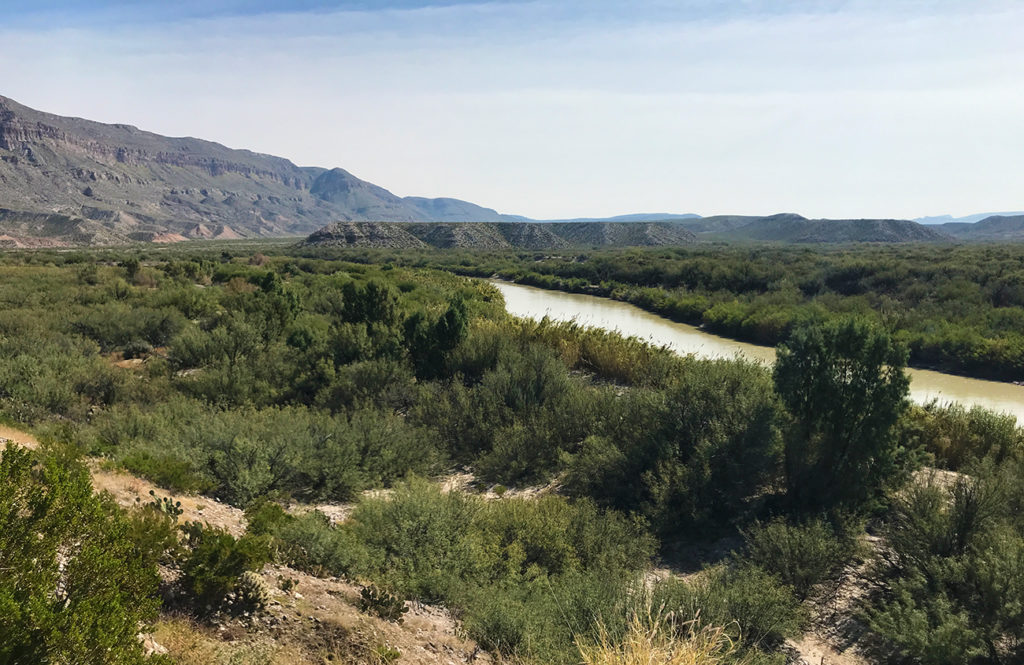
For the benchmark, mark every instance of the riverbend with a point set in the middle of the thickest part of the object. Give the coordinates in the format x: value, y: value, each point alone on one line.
x: 594, y: 311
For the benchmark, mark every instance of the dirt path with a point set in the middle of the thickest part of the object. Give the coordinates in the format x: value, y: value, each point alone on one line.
x: 811, y: 649
x: 129, y: 490
x: 18, y: 436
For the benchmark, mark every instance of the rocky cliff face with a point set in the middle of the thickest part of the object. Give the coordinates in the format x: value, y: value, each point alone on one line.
x: 120, y: 183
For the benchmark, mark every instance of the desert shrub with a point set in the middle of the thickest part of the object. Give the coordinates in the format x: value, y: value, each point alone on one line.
x: 957, y: 436
x: 75, y: 585
x: 515, y: 423
x: 429, y: 561
x: 167, y: 471
x: 154, y: 535
x: 756, y: 609
x: 654, y: 639
x: 430, y: 342
x: 549, y: 536
x: 55, y: 375
x: 115, y: 325
x: 525, y: 573
x: 243, y: 454
x: 693, y: 453
x: 137, y: 348
x: 626, y: 360
x: 952, y: 589
x: 214, y: 564
x: 800, y: 555
x: 533, y: 445
x: 539, y: 621
x: 311, y: 544
x: 485, y: 343
x: 375, y: 383
x: 263, y: 517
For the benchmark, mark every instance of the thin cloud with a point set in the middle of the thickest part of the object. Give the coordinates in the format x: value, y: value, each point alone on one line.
x: 564, y: 109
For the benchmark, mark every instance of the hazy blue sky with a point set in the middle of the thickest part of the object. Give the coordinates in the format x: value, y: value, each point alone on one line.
x: 834, y: 108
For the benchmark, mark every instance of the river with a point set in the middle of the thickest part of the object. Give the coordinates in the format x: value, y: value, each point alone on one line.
x: 592, y: 311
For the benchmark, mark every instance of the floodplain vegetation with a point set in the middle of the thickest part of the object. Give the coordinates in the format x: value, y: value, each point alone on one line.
x: 957, y: 308
x: 270, y: 381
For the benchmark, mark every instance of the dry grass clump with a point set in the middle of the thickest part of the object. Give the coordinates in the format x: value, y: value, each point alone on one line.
x: 189, y: 643
x: 657, y: 639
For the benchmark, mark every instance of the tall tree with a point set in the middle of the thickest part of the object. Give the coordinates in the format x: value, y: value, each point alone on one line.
x: 844, y: 387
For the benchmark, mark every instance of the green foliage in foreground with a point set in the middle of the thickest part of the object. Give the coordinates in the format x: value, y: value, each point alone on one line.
x: 215, y: 563
x: 800, y: 556
x: 525, y: 575
x: 954, y: 576
x: 754, y: 605
x: 73, y: 586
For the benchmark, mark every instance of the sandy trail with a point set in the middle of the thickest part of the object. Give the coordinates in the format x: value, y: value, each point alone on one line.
x: 18, y: 436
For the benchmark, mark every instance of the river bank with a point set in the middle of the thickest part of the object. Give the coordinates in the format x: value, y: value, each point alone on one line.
x: 596, y: 311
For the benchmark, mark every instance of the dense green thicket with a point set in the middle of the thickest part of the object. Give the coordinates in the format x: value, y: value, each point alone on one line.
x: 265, y: 380
x: 952, y: 580
x: 960, y: 308
x: 74, y: 587
x: 527, y: 575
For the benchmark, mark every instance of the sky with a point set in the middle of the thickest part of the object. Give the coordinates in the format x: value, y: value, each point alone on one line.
x: 554, y: 109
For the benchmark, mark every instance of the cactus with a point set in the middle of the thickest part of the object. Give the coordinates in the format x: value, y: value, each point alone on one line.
x: 382, y: 603
x: 165, y: 505
x: 251, y: 591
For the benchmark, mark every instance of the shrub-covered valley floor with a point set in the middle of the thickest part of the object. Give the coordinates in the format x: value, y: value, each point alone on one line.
x: 250, y: 458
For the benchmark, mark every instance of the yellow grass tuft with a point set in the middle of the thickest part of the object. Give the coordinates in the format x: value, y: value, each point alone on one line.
x: 658, y: 639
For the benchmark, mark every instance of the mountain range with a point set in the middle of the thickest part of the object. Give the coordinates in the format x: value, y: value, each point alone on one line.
x: 69, y: 181
x: 966, y: 219
x: 786, y: 228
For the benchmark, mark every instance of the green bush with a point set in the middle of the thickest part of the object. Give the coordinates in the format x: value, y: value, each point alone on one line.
x: 137, y: 349
x: 694, y: 453
x: 953, y: 582
x: 264, y: 517
x: 76, y: 584
x: 751, y: 603
x: 167, y: 471
x: 311, y: 544
x: 214, y: 564
x: 800, y: 555
x: 957, y: 436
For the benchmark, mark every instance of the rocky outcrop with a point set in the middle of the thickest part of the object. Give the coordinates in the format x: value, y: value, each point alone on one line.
x: 364, y: 234
x: 624, y: 234
x: 498, y: 235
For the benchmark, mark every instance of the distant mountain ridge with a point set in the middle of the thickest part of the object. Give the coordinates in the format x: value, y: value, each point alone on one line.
x: 966, y: 219
x: 792, y: 228
x: 500, y: 235
x: 69, y: 181
x: 74, y: 181
x: 784, y: 228
x: 998, y: 227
